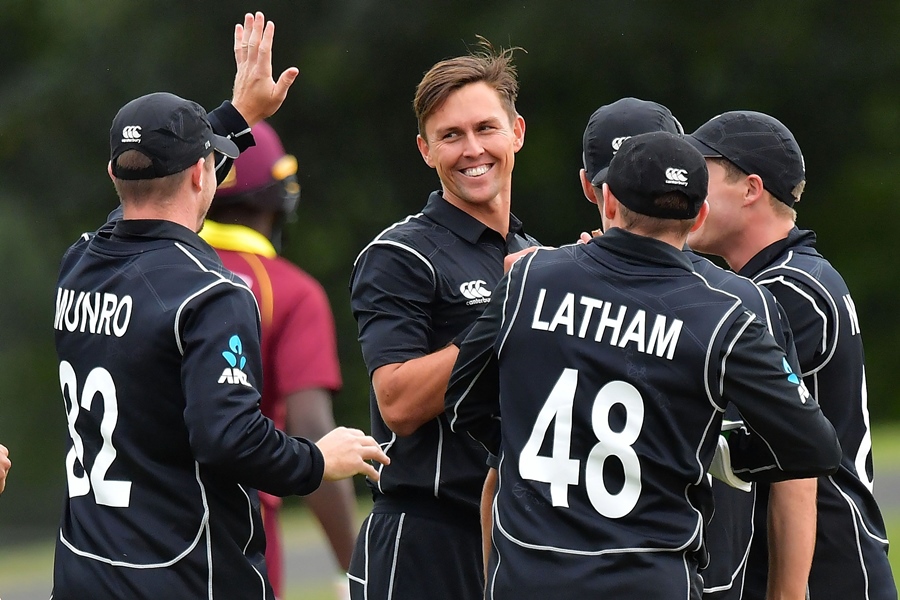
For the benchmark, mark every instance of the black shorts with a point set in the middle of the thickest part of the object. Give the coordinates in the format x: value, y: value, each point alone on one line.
x: 405, y: 556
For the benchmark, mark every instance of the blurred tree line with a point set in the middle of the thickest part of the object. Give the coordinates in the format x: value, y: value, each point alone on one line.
x: 829, y: 70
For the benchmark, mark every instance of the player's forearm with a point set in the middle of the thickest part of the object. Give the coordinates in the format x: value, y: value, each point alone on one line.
x: 792, y: 537
x: 412, y: 393
x: 487, y: 517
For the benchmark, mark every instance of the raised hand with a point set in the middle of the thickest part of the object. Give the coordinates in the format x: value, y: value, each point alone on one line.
x: 256, y: 94
x: 346, y: 452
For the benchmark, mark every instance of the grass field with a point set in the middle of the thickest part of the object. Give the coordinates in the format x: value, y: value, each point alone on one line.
x: 33, y: 562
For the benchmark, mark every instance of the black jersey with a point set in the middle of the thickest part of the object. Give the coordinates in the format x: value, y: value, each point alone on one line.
x: 731, y: 531
x: 616, y: 361
x: 160, y: 372
x: 414, y: 288
x: 850, y: 559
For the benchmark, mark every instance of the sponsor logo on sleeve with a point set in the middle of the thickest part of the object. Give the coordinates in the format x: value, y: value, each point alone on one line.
x: 236, y: 361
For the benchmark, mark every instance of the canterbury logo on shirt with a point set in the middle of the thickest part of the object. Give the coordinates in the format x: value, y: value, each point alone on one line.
x: 475, y: 292
x: 676, y: 176
x: 131, y: 133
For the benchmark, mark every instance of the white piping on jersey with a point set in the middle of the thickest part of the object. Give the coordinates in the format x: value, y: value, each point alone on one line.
x: 687, y: 578
x: 249, y: 518
x: 502, y: 323
x: 813, y: 282
x: 525, y: 269
x: 465, y: 394
x: 747, y: 322
x: 384, y: 231
x: 856, y: 510
x: 440, y: 453
x: 409, y: 249
x: 390, y: 593
x: 364, y: 582
x: 220, y: 280
x: 386, y: 446
x: 780, y: 279
x: 728, y: 352
x: 209, y: 563
x: 741, y: 568
x: 204, y: 526
x: 708, y: 360
x: 859, y: 552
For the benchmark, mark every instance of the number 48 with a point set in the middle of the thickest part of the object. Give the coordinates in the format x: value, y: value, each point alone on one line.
x: 560, y: 470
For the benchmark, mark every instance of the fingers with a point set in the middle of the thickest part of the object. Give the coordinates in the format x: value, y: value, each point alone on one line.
x: 584, y: 238
x: 238, y: 38
x: 258, y: 24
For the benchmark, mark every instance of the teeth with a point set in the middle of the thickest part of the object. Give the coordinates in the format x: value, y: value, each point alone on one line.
x: 476, y: 171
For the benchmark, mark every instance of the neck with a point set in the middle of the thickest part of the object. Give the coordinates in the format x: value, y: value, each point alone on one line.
x: 738, y: 254
x: 494, y: 214
x: 175, y: 209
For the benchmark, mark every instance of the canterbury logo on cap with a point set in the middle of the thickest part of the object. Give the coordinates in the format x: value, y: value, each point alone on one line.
x: 676, y: 176
x: 131, y: 133
x: 617, y: 142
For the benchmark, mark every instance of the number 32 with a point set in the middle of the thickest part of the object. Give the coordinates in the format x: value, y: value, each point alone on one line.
x: 99, y: 381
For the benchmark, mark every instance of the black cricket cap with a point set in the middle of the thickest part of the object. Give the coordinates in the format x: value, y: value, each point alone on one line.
x: 757, y: 144
x: 172, y: 132
x: 650, y: 165
x: 612, y: 124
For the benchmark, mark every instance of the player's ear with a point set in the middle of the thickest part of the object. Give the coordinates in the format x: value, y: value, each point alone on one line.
x: 587, y: 187
x: 197, y: 173
x: 701, y: 216
x: 610, y: 204
x: 518, y: 133
x: 424, y: 150
x: 109, y: 170
x: 754, y: 189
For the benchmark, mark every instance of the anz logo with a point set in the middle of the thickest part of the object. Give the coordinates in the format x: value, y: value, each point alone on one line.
x: 131, y: 133
x: 793, y: 378
x: 676, y: 176
x: 234, y: 355
x: 475, y: 292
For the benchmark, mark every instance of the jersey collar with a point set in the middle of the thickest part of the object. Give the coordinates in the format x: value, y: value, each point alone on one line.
x: 763, y: 258
x: 237, y: 238
x: 461, y: 223
x: 642, y: 248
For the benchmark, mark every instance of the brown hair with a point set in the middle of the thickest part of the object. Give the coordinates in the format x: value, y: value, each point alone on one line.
x: 655, y: 226
x: 138, y: 191
x: 495, y: 68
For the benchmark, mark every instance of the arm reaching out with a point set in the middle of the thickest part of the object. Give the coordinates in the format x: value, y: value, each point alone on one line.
x: 346, y: 451
x: 256, y: 94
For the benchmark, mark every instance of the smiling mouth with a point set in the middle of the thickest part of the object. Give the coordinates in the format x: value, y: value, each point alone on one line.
x: 476, y: 171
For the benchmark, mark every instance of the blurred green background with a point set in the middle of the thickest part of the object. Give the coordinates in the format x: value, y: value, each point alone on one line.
x: 829, y: 70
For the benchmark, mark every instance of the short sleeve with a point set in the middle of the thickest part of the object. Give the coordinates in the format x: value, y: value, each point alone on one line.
x: 392, y: 290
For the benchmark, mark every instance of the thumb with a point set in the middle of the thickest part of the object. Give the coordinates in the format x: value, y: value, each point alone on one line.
x: 285, y: 81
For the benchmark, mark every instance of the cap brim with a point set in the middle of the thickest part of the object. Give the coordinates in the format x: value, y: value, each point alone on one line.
x: 706, y: 151
x: 598, y: 179
x: 223, y: 145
